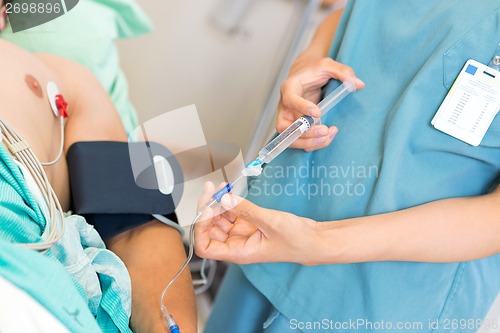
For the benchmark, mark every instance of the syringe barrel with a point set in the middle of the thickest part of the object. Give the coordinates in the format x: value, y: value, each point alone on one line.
x: 286, y: 138
x: 335, y: 97
x: 303, y: 124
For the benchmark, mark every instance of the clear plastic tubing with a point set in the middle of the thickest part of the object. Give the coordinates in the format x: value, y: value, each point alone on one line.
x: 304, y: 123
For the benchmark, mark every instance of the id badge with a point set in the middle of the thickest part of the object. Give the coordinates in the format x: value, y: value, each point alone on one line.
x: 471, y: 104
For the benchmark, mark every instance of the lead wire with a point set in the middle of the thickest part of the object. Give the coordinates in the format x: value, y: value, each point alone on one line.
x: 24, y: 155
x: 167, y: 317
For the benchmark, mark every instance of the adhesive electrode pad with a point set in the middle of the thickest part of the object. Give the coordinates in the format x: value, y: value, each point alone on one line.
x: 52, y: 92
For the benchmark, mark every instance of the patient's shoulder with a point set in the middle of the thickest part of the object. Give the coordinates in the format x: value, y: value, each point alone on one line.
x: 62, y: 66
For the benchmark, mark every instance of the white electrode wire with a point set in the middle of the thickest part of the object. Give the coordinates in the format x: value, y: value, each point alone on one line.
x: 61, y: 145
x: 54, y: 228
x: 27, y: 158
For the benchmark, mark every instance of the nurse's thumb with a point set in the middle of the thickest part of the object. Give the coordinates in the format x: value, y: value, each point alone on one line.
x: 246, y: 210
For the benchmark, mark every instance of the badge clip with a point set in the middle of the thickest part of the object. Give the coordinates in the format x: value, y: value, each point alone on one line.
x: 495, y: 61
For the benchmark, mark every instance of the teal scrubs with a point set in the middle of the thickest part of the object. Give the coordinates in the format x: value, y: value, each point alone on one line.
x: 386, y: 157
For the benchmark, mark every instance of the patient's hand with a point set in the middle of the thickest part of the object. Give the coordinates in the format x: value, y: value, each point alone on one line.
x: 244, y: 233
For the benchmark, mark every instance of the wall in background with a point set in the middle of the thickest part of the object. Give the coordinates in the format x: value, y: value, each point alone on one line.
x: 229, y: 76
x: 189, y: 60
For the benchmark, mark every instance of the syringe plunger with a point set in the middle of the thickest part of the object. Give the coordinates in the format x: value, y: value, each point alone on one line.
x: 304, y: 123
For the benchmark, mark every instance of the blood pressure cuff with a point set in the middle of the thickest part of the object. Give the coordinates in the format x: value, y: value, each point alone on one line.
x: 104, y: 189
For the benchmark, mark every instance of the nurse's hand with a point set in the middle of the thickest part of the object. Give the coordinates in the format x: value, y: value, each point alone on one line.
x: 300, y: 93
x: 244, y: 233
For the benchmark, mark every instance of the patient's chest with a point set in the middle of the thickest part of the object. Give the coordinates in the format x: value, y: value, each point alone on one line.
x: 24, y: 105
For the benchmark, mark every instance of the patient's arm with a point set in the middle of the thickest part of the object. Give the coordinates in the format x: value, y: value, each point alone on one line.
x: 152, y: 252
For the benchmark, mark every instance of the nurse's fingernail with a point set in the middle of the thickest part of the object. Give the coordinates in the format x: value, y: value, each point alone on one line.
x: 333, y: 133
x: 225, y: 201
x: 229, y: 202
x: 321, y: 131
x: 314, y: 112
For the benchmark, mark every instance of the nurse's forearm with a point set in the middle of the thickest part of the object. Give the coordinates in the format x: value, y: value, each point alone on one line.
x: 442, y: 231
x: 322, y: 40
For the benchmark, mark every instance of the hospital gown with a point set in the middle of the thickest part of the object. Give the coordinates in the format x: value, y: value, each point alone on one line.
x: 86, y: 287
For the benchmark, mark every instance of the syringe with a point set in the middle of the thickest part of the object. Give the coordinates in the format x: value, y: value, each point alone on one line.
x: 254, y: 168
x: 335, y: 97
x: 302, y: 125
